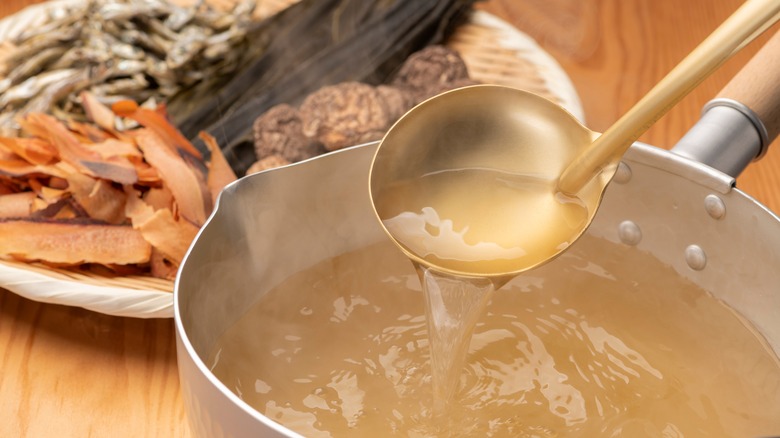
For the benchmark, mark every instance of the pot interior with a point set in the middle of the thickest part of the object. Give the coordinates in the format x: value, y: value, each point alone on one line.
x: 272, y: 225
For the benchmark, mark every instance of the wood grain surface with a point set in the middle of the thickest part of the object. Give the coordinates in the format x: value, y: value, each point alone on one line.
x: 70, y: 372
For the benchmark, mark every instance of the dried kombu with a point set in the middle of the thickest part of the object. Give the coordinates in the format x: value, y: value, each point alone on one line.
x: 312, y: 44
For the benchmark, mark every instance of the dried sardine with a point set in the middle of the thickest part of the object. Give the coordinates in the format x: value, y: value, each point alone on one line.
x: 35, y: 63
x: 56, y: 91
x: 125, y: 11
x: 179, y: 18
x: 187, y: 46
x: 36, y: 44
x: 33, y: 86
x: 125, y: 86
x: 58, y: 19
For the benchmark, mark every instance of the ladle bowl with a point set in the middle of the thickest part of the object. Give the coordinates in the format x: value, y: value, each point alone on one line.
x: 510, y: 131
x: 488, y: 181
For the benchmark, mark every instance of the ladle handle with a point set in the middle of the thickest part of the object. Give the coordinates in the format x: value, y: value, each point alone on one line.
x: 757, y: 87
x: 738, y: 126
x: 739, y: 29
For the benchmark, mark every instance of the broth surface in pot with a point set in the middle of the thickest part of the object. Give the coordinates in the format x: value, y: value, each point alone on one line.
x: 603, y: 341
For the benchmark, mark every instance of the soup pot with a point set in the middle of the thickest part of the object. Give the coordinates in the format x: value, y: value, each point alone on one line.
x: 681, y: 206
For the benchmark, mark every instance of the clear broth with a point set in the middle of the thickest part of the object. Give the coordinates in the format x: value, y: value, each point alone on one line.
x: 603, y: 341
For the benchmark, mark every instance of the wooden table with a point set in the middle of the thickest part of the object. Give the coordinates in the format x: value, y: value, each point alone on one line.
x: 70, y: 372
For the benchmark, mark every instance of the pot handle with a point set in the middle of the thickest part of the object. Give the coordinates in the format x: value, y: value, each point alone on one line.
x: 738, y: 126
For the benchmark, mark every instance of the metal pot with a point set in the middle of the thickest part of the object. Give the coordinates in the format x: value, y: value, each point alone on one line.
x: 270, y: 225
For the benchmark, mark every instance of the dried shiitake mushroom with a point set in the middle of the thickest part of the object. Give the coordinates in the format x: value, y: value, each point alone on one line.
x: 279, y: 132
x: 351, y: 113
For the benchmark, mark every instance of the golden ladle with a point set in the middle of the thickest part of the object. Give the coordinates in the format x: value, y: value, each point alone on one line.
x: 490, y: 181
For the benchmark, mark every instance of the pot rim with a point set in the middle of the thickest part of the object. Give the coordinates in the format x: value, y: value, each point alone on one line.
x: 641, y: 153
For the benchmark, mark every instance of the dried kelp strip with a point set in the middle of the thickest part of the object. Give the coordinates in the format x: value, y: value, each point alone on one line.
x: 329, y: 42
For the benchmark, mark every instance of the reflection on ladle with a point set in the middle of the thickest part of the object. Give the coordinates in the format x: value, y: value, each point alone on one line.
x: 502, y: 168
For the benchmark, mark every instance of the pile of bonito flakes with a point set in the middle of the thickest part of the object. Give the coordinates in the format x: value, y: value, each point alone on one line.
x: 88, y: 178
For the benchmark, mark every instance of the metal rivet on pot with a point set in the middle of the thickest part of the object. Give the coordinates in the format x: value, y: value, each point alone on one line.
x: 629, y: 233
x: 715, y: 206
x: 622, y: 174
x: 695, y: 257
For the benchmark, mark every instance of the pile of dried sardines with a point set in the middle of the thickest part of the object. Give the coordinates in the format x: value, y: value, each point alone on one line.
x: 118, y: 49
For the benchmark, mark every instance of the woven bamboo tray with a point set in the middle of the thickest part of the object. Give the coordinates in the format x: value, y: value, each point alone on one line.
x: 494, y: 52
